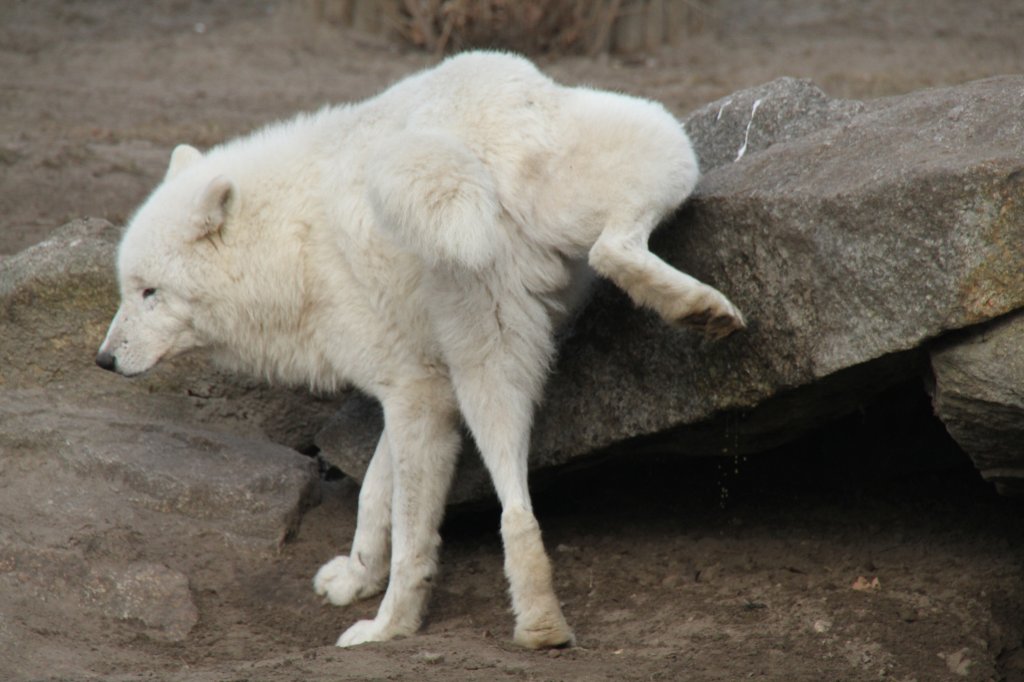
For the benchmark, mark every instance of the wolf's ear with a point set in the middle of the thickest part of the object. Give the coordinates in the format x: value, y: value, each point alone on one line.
x: 182, y: 157
x: 214, y: 205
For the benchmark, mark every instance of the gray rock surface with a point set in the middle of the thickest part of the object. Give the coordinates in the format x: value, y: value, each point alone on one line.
x: 96, y: 506
x: 754, y: 119
x: 851, y: 234
x: 248, y: 488
x: 844, y: 247
x: 979, y: 395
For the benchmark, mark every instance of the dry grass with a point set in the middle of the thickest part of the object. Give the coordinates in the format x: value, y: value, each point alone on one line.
x: 589, y: 27
x: 528, y: 26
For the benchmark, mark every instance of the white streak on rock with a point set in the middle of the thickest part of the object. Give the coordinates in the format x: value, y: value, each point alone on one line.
x: 722, y: 108
x: 746, y: 136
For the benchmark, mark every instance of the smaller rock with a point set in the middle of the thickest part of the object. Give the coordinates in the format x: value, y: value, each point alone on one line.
x: 151, y: 594
x: 116, y: 462
x: 958, y: 662
x: 754, y: 119
x: 979, y: 375
x: 862, y: 584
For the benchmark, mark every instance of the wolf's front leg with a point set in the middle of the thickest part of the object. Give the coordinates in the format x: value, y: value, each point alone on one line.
x: 421, y: 427
x: 364, y: 571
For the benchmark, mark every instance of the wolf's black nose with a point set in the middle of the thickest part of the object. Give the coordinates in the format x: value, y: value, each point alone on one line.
x: 107, y: 361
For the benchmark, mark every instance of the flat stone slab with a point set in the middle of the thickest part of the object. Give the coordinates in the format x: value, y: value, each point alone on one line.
x: 96, y: 505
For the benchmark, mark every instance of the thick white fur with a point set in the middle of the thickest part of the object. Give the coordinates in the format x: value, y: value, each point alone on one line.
x: 421, y: 245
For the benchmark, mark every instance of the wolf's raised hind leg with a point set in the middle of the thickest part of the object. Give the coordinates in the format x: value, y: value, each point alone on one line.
x: 621, y: 254
x: 364, y: 571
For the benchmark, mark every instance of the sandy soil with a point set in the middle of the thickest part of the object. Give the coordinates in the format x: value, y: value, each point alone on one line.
x: 715, y: 570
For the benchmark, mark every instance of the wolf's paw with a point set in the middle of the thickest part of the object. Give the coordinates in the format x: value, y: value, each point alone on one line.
x: 546, y: 633
x: 369, y: 631
x: 717, y: 320
x: 344, y: 580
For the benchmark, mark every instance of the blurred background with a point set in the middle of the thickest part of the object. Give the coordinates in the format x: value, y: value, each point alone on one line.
x: 95, y: 93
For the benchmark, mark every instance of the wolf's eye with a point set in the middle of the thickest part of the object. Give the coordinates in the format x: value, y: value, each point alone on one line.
x: 146, y: 293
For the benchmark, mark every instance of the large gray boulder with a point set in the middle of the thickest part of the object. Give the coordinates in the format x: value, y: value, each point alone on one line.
x: 846, y: 248
x: 979, y: 395
x: 851, y: 234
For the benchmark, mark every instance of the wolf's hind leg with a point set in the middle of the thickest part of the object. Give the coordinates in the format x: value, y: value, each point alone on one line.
x: 423, y: 440
x: 621, y: 254
x: 498, y: 348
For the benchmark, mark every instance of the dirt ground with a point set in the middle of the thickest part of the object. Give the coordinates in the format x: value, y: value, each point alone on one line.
x: 702, y: 570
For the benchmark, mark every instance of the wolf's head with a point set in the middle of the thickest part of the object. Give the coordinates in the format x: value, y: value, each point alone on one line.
x: 166, y: 266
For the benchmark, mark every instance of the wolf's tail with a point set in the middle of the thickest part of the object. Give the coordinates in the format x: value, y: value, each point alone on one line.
x: 437, y: 199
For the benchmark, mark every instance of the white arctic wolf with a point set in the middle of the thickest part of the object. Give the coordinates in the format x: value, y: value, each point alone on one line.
x: 421, y: 245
